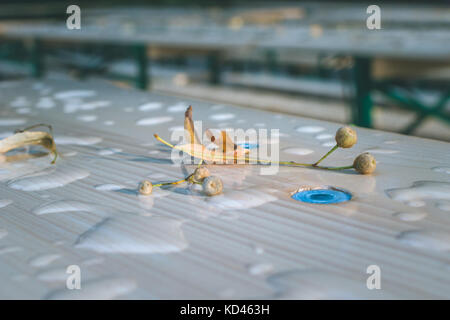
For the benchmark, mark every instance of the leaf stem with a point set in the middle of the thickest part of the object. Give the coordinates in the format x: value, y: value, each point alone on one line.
x: 287, y: 163
x: 49, y: 127
x: 326, y: 155
x: 55, y: 156
x: 173, y: 183
x: 163, y: 141
x: 335, y: 168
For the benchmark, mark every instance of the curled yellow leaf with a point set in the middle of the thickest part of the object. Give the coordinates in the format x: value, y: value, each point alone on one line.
x: 27, y: 138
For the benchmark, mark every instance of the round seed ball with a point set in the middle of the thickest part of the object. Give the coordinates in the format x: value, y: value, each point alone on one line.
x: 365, y: 163
x: 346, y: 137
x: 212, y: 185
x: 201, y: 173
x: 145, y: 187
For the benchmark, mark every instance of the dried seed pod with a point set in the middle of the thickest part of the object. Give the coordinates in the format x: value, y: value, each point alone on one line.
x: 145, y: 187
x: 365, y: 163
x: 212, y: 185
x: 200, y: 174
x: 346, y: 137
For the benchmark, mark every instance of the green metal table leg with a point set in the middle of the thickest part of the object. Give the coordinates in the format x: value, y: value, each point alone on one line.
x: 214, y: 67
x: 142, y: 78
x: 320, y: 69
x: 415, y: 105
x: 441, y: 104
x: 271, y: 60
x: 362, y: 78
x: 37, y: 58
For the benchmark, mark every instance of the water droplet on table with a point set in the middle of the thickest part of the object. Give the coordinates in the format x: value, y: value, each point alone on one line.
x: 109, y: 151
x: 43, y: 260
x: 61, y: 206
x: 410, y: 216
x: 309, y: 129
x: 75, y: 104
x: 318, y: 284
x: 134, y: 235
x: 421, y: 190
x: 222, y: 116
x: 179, y: 107
x: 298, y: 151
x: 45, y: 103
x: 101, y: 289
x: 3, y: 233
x: 108, y: 187
x: 23, y: 111
x: 150, y: 106
x: 9, y: 249
x: 81, y: 141
x: 441, y: 169
x: 48, y: 178
x: 69, y: 94
x: 153, y: 121
x: 324, y: 136
x: 5, y: 202
x: 443, y: 205
x: 258, y: 269
x: 20, y: 102
x: 87, y: 117
x: 258, y: 249
x: 329, y: 144
x: 241, y: 199
x: 426, y: 239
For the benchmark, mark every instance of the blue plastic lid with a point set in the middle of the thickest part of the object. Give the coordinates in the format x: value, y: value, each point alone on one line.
x: 322, y: 196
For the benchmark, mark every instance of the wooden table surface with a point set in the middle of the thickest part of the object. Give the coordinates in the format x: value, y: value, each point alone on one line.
x: 253, y: 241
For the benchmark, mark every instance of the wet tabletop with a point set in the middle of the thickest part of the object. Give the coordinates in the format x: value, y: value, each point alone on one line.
x: 253, y: 241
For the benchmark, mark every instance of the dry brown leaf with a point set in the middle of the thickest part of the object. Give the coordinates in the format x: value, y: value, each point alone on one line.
x: 226, y: 147
x: 21, y: 157
x: 26, y: 138
x: 210, y: 156
x: 189, y: 129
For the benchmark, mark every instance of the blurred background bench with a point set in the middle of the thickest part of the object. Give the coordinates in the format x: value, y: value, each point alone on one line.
x: 396, y: 78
